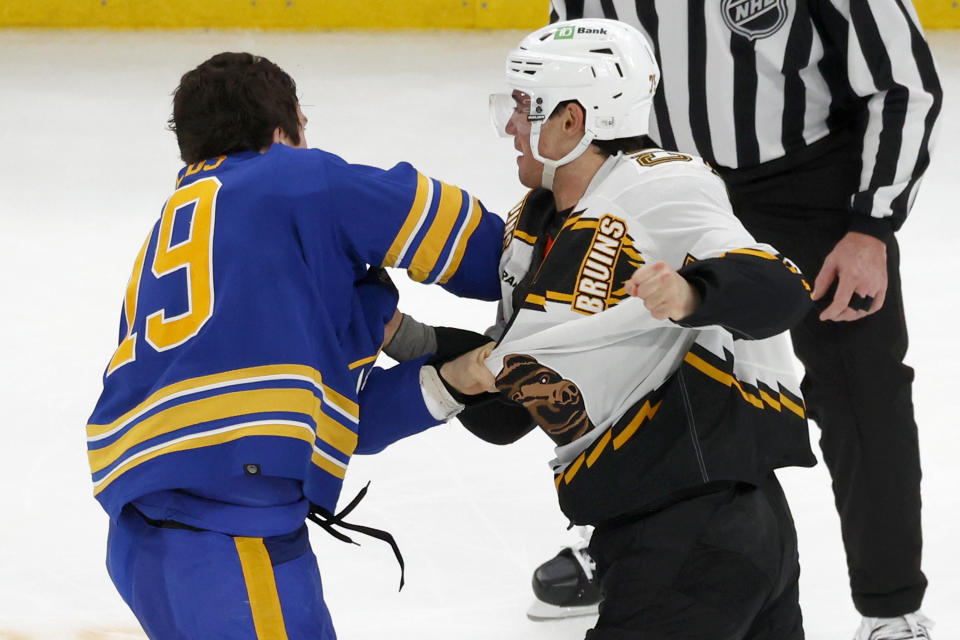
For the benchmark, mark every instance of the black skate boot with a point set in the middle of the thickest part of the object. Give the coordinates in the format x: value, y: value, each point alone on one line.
x: 565, y: 586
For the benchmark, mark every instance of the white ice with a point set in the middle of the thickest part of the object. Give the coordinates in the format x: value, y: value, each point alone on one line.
x: 86, y: 165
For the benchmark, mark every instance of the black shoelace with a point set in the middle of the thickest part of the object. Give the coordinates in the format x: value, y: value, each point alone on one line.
x: 321, y: 516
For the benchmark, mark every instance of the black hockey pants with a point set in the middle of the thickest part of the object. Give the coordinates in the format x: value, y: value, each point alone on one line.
x: 856, y: 386
x: 721, y: 566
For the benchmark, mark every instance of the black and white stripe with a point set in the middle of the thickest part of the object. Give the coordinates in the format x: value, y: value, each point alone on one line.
x: 743, y: 99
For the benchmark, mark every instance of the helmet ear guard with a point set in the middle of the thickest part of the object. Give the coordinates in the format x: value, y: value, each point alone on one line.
x: 607, y: 66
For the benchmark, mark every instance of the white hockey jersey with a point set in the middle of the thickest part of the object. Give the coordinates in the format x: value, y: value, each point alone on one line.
x: 640, y: 406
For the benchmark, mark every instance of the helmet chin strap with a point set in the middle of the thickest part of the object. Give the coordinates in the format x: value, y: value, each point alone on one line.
x: 550, y: 166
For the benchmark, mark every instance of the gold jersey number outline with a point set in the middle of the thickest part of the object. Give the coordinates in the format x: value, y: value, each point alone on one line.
x: 195, y: 255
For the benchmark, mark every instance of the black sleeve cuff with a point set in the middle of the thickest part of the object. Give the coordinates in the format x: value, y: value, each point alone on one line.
x: 880, y: 228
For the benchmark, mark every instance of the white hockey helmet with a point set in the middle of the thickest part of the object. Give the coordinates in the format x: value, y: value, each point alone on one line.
x: 606, y: 65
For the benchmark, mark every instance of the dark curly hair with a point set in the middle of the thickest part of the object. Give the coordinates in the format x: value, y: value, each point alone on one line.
x: 233, y: 102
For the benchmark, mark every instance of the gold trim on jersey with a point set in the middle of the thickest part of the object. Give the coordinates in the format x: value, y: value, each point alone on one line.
x: 428, y: 253
x: 538, y: 300
x: 553, y: 296
x: 525, y: 237
x: 570, y: 221
x: 340, y: 403
x: 510, y: 225
x: 757, y: 253
x: 298, y: 431
x: 759, y: 401
x: 222, y: 407
x: 261, y: 586
x: 418, y: 212
x: 356, y: 364
x: 460, y: 249
x: 590, y: 455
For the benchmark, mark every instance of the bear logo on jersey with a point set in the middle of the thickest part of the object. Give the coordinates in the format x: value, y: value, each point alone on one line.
x: 754, y: 19
x: 554, y: 402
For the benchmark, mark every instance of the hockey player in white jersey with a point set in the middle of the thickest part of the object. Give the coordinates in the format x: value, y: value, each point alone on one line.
x: 638, y: 329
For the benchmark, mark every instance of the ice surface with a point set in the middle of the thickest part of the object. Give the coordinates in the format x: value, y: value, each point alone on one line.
x: 86, y: 165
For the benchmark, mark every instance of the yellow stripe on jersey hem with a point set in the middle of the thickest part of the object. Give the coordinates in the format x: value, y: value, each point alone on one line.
x: 728, y: 380
x: 261, y: 589
x: 298, y: 431
x: 411, y: 224
x: 428, y: 253
x: 328, y: 464
x: 343, y: 405
x: 224, y: 406
x: 645, y: 414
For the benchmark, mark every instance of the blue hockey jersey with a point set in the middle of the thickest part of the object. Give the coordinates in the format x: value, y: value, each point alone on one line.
x: 250, y: 324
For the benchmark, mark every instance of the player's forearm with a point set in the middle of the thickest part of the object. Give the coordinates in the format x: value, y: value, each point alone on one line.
x: 752, y: 296
x: 414, y: 339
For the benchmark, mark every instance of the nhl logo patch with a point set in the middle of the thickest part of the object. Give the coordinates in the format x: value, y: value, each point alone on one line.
x: 754, y: 19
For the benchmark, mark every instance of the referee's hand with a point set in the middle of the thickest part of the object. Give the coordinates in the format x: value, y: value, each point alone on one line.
x: 859, y: 264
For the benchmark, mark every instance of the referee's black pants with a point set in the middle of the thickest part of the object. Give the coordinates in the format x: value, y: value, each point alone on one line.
x: 856, y: 387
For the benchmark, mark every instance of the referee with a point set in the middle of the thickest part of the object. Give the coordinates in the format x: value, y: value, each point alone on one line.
x: 820, y: 115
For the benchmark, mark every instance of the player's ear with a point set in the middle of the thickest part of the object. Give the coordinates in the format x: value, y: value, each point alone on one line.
x: 280, y: 136
x: 573, y: 118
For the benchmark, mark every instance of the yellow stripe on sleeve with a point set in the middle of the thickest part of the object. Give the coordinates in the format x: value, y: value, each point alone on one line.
x: 261, y: 589
x: 476, y: 212
x: 411, y: 224
x: 428, y: 253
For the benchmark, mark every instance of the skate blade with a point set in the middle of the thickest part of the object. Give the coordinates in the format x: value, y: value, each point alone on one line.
x: 540, y: 611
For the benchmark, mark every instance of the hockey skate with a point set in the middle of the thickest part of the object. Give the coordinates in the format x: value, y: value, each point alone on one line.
x: 912, y: 626
x: 565, y: 586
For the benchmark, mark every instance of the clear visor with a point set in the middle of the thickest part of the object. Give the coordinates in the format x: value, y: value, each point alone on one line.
x: 506, y: 107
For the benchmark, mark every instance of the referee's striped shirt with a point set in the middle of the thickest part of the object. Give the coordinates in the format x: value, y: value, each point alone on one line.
x: 750, y: 81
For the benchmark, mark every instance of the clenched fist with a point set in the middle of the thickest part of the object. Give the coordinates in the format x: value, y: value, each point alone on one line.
x: 467, y: 373
x: 665, y: 292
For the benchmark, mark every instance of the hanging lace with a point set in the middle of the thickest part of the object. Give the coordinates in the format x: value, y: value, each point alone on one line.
x: 322, y: 517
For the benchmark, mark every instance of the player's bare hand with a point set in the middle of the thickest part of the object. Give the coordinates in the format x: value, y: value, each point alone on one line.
x: 467, y: 373
x: 390, y: 329
x: 665, y: 292
x: 859, y: 264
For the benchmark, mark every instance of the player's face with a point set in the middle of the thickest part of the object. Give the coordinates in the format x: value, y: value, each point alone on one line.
x: 529, y: 168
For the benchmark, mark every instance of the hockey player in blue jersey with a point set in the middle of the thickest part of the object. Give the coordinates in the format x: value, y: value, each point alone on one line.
x: 244, y: 379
